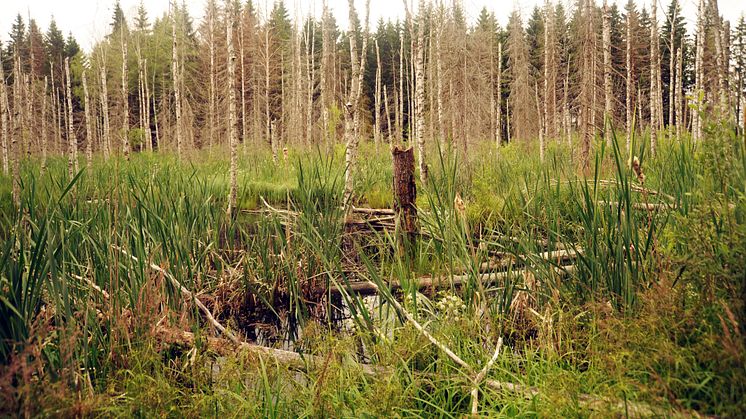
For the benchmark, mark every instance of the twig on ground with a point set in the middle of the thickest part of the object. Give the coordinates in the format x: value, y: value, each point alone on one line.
x: 478, y: 379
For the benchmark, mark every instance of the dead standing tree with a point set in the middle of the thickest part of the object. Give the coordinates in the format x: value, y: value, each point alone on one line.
x: 232, y: 195
x: 405, y: 196
x: 352, y: 112
x: 4, y: 119
x: 419, y: 82
x: 587, y: 84
x: 72, y: 142
x: 654, y: 80
x: 629, y: 82
x: 608, y: 110
x: 177, y: 86
x: 125, y: 100
x: 105, y: 110
x: 326, y: 46
x: 88, y: 127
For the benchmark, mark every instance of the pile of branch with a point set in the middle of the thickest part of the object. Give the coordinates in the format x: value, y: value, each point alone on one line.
x: 302, y: 362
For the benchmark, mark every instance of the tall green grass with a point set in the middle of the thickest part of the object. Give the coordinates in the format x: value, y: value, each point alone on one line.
x: 71, y: 296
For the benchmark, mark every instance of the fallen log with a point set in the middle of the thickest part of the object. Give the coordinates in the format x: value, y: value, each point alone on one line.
x: 374, y: 211
x: 289, y: 358
x: 503, y: 260
x: 642, y: 206
x: 369, y: 288
x: 298, y: 361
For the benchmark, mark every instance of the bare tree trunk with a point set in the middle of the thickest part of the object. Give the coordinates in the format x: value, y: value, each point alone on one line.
x: 566, y: 109
x: 677, y: 97
x: 553, y: 76
x: 699, y: 73
x: 594, y: 94
x: 325, y: 52
x: 105, y: 111
x: 18, y: 100
x: 211, y: 41
x: 59, y: 108
x: 493, y: 102
x: 148, y: 133
x: 5, y: 119
x: 269, y: 124
x: 542, y: 122
x: 405, y: 197
x: 388, y: 114
x: 15, y: 147
x: 547, y: 28
x: 155, y: 118
x: 140, y: 97
x: 672, y: 81
x: 587, y: 86
x: 177, y: 88
x: 88, y: 129
x: 125, y: 101
x: 639, y: 108
x: 377, y: 111
x: 629, y: 90
x: 400, y: 122
x: 429, y: 65
x: 298, y: 92
x: 352, y: 112
x: 720, y: 59
x: 311, y: 80
x: 507, y: 118
x: 439, y: 64
x: 653, y: 75
x: 397, y: 115
x: 608, y: 111
x: 242, y: 58
x: 233, y: 194
x: 452, y: 113
x: 72, y: 142
x: 273, y: 134
x: 29, y: 109
x: 498, y: 124
x: 420, y: 91
x: 43, y: 124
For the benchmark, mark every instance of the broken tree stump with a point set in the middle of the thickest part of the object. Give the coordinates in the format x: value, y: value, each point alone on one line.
x: 405, y: 197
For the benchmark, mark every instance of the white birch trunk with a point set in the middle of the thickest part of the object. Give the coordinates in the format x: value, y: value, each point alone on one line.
x: 125, y: 101
x: 146, y: 119
x: 498, y: 124
x: 5, y: 120
x: 44, y: 124
x: 439, y: 64
x: 105, y: 112
x: 672, y: 71
x: 677, y: 97
x: 420, y: 92
x: 629, y: 88
x: 352, y: 113
x: 377, y: 99
x: 177, y: 89
x: 72, y: 141
x: 211, y: 41
x: 608, y: 111
x: 653, y: 75
x: 88, y: 129
x: 233, y: 194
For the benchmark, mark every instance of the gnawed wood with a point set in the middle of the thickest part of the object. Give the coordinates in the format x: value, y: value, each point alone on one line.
x: 405, y: 197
